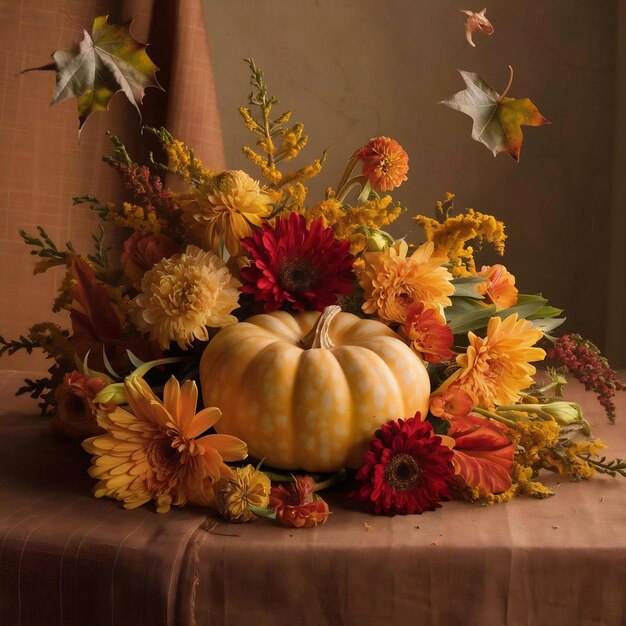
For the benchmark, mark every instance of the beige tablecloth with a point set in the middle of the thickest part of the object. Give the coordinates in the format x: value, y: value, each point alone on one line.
x: 67, y: 558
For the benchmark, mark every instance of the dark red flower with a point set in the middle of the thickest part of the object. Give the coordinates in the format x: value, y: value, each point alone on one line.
x: 306, y: 267
x: 297, y: 505
x: 406, y: 470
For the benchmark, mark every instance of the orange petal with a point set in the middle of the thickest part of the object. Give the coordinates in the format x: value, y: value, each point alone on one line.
x: 230, y: 448
x: 483, y: 454
x: 202, y: 421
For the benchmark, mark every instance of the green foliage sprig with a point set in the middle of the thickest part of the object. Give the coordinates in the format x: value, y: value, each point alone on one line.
x: 45, y: 248
x: 611, y: 467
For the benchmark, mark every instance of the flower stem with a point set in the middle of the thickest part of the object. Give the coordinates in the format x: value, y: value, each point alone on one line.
x: 528, y: 408
x: 346, y: 173
x: 494, y: 416
x: 355, y: 181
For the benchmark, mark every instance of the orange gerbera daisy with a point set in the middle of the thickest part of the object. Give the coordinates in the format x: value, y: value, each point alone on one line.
x: 393, y: 282
x: 495, y: 369
x: 154, y: 453
x: 385, y: 163
x: 499, y: 287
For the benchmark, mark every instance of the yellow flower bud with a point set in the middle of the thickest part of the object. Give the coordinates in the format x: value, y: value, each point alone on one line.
x: 111, y: 394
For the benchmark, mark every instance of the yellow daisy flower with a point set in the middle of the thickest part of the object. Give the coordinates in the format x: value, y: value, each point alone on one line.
x: 155, y: 450
x: 494, y: 370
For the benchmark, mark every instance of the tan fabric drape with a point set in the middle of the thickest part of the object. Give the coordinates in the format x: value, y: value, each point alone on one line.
x: 41, y: 164
x: 69, y: 559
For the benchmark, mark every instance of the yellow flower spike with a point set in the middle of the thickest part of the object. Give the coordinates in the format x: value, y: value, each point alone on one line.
x: 451, y: 235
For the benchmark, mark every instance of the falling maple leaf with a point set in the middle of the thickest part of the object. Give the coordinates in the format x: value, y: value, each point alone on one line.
x: 476, y: 23
x: 103, y: 63
x: 497, y: 119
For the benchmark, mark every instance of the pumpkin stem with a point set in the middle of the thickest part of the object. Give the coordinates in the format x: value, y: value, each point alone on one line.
x: 318, y: 336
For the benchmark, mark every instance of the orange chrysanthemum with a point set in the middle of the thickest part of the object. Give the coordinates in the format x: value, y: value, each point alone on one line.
x: 385, y: 163
x: 154, y: 453
x: 495, y: 369
x: 393, y: 282
x: 499, y: 288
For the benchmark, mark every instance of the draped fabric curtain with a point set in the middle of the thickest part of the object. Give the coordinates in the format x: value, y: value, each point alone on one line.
x: 43, y: 166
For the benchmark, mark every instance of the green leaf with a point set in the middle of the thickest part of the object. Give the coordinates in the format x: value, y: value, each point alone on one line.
x: 471, y: 320
x: 546, y: 325
x: 103, y: 63
x: 465, y: 286
x: 545, y: 312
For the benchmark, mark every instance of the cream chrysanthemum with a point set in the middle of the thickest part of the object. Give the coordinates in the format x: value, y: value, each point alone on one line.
x: 153, y: 452
x: 393, y: 282
x: 225, y: 208
x: 183, y: 295
x: 494, y: 370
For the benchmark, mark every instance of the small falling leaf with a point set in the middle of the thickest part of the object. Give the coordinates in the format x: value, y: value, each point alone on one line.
x: 476, y: 23
x: 103, y: 63
x: 497, y: 119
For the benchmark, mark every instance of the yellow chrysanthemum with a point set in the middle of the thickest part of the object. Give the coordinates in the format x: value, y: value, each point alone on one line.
x: 155, y: 452
x: 183, y: 295
x: 393, y: 282
x: 235, y: 494
x: 494, y: 370
x: 224, y: 209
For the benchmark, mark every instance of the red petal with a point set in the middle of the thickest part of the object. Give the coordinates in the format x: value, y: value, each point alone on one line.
x: 483, y: 454
x: 94, y: 299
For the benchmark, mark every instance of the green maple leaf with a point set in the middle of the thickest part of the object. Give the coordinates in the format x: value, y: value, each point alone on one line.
x: 497, y: 119
x: 103, y: 63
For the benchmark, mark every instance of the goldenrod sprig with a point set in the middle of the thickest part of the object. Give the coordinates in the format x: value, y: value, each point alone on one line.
x: 277, y: 142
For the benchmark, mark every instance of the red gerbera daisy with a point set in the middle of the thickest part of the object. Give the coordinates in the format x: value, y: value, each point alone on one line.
x: 406, y: 470
x: 306, y: 267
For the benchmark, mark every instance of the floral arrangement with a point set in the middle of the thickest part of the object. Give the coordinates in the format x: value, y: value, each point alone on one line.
x: 325, y: 348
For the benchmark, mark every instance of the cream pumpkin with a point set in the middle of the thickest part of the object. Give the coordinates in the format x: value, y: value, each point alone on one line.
x: 308, y: 391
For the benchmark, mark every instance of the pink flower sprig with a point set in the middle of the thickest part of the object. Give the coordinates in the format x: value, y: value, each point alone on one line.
x: 585, y: 361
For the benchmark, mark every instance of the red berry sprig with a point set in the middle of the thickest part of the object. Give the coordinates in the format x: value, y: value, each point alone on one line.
x: 585, y: 361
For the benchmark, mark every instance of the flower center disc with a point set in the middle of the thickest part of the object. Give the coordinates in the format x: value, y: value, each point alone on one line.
x: 402, y: 472
x: 298, y: 275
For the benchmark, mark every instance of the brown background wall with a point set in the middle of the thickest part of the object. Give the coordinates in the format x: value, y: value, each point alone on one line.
x: 354, y: 69
x: 350, y: 70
